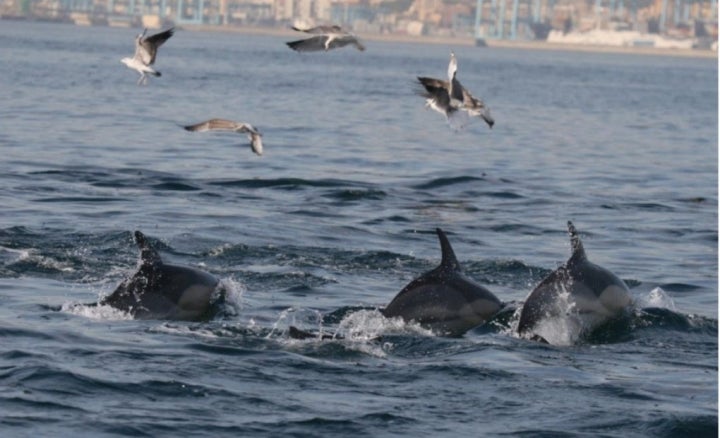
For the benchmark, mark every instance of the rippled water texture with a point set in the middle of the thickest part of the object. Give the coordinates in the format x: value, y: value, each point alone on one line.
x: 333, y: 220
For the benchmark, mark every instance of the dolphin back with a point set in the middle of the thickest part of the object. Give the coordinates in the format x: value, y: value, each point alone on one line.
x: 164, y: 291
x: 449, y: 306
x: 542, y: 301
x: 589, y: 290
x: 444, y: 300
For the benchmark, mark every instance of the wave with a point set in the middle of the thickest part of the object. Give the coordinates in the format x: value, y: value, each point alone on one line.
x: 283, y: 183
x: 679, y: 425
x: 447, y: 181
x: 176, y: 186
x: 357, y: 194
x: 82, y: 199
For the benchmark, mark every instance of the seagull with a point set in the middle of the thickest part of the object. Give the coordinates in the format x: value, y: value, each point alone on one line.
x: 145, y: 53
x: 228, y: 125
x: 452, y: 99
x: 437, y: 97
x: 325, y: 38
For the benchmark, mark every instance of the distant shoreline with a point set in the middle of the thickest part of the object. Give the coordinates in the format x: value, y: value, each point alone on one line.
x: 469, y: 41
x: 453, y: 41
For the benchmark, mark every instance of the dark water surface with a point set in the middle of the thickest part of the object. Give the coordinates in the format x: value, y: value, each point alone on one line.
x: 335, y: 218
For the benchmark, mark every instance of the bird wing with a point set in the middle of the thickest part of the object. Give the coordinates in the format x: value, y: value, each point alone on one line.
x: 438, y: 98
x: 432, y: 85
x: 246, y: 127
x: 436, y: 95
x: 436, y: 92
x: 312, y: 44
x: 476, y: 107
x: 455, y: 90
x: 146, y: 48
x: 342, y: 40
x: 321, y: 29
x: 214, y: 125
x: 256, y: 141
x: 452, y: 66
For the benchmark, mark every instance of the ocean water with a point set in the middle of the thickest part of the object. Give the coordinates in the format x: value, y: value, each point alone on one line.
x: 333, y: 220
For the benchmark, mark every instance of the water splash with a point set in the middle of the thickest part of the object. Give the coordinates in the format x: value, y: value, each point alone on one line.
x: 31, y: 258
x: 562, y: 325
x: 220, y: 250
x: 361, y: 330
x: 96, y: 311
x: 233, y: 296
x: 294, y: 317
x: 657, y: 298
x: 368, y: 325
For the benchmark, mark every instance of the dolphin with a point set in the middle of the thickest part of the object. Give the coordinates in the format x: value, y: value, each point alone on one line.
x: 162, y: 291
x: 591, y: 291
x: 444, y: 300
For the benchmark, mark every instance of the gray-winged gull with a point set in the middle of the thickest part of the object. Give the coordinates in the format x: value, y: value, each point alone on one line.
x: 145, y: 53
x: 229, y: 125
x: 324, y: 39
x: 453, y: 100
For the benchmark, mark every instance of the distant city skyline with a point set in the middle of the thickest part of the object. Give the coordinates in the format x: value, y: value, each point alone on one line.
x: 509, y: 19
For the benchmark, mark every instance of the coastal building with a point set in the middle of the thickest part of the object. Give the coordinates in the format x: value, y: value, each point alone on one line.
x: 483, y: 19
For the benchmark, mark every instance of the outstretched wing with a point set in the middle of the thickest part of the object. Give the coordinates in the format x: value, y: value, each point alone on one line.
x: 342, y: 40
x: 321, y: 29
x: 455, y: 89
x: 432, y: 87
x: 214, y: 125
x: 313, y: 44
x: 436, y: 92
x: 246, y: 127
x: 228, y: 125
x: 476, y: 107
x: 146, y: 49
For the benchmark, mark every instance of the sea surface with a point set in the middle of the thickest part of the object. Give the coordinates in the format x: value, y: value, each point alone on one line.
x: 333, y: 220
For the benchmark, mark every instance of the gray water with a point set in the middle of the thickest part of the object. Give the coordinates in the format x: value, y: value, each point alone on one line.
x: 333, y: 220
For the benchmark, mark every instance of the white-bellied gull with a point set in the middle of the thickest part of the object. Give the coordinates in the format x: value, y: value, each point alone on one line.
x: 229, y: 125
x: 453, y: 100
x: 324, y: 39
x: 145, y: 53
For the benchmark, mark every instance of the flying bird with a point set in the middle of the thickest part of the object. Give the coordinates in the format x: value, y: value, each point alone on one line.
x: 228, y: 125
x: 145, y: 53
x: 453, y: 100
x: 325, y: 38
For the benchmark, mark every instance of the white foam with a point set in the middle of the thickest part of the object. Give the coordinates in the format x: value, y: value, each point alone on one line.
x: 657, y: 298
x: 366, y: 325
x: 30, y: 255
x: 296, y: 317
x: 562, y: 325
x: 358, y: 331
x: 220, y: 250
x: 562, y: 331
x: 234, y: 294
x: 95, y: 311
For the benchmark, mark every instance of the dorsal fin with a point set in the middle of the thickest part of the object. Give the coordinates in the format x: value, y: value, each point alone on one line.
x: 148, y: 255
x: 449, y: 261
x: 578, y: 252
